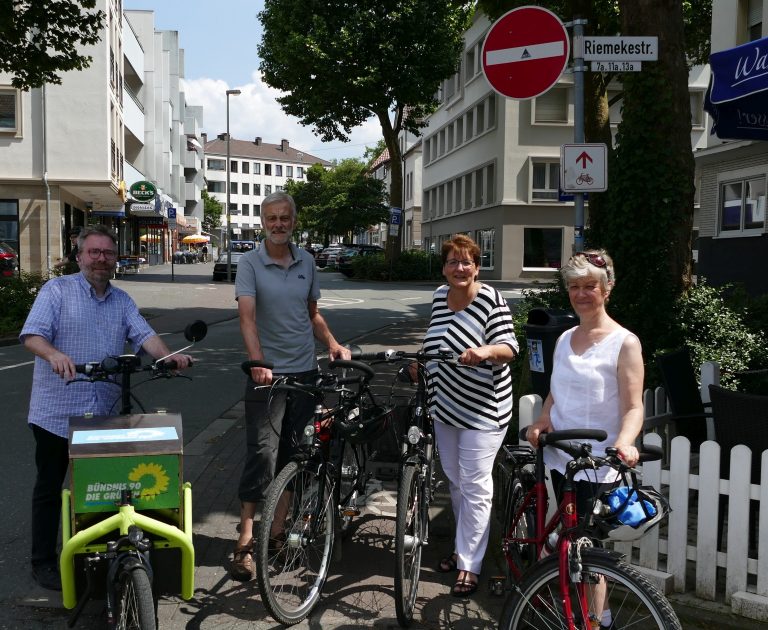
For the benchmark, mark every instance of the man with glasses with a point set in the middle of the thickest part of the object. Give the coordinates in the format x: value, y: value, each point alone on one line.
x: 75, y: 319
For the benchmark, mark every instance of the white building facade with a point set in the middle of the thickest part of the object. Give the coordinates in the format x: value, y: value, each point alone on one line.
x: 733, y: 234
x: 256, y: 169
x: 491, y: 167
x: 69, y: 152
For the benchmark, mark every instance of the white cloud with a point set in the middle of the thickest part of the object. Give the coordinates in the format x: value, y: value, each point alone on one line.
x: 255, y: 112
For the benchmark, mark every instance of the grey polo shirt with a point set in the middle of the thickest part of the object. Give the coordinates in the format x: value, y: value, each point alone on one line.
x: 282, y: 297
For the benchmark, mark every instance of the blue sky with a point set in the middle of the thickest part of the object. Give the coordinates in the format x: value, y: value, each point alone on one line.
x: 219, y: 41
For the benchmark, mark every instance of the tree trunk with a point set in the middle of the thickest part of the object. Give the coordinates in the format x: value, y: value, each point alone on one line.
x: 393, y: 244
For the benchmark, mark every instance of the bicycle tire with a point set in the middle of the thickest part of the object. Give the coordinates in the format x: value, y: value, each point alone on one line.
x: 634, y: 601
x: 410, y: 528
x: 519, y: 556
x: 293, y: 568
x: 134, y: 599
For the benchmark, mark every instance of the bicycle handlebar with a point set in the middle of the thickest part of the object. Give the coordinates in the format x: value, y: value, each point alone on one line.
x: 123, y: 364
x: 392, y: 356
x: 366, y: 369
x: 563, y: 440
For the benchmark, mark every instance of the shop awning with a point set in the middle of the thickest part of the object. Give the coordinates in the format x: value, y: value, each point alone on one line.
x: 737, y: 97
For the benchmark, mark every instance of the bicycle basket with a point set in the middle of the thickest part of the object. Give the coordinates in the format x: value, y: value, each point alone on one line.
x: 365, y: 423
x: 625, y: 514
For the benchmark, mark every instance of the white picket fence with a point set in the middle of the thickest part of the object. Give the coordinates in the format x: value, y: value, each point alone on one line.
x: 682, y: 556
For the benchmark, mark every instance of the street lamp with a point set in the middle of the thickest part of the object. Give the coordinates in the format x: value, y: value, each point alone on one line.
x: 229, y: 249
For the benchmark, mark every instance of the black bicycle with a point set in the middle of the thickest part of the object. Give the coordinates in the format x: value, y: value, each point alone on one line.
x: 318, y: 490
x: 416, y: 482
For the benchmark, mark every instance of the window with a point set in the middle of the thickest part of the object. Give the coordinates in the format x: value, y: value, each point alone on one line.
x: 742, y: 205
x: 9, y: 111
x: 755, y: 19
x: 217, y: 187
x: 486, y: 241
x: 267, y: 190
x: 246, y: 188
x: 278, y: 170
x: 267, y: 170
x: 233, y: 166
x: 289, y: 171
x: 300, y: 172
x: 216, y: 165
x: 278, y: 189
x: 542, y: 248
x: 246, y: 209
x: 257, y: 189
x: 697, y: 109
x: 9, y: 223
x: 232, y: 188
x: 551, y: 107
x: 257, y: 168
x: 545, y: 181
x: 246, y: 167
x: 233, y: 209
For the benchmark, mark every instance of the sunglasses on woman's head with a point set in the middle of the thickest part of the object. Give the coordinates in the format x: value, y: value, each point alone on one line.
x: 594, y: 259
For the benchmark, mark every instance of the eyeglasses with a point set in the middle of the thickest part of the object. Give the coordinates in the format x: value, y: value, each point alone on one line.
x: 109, y: 254
x: 593, y: 259
x: 453, y: 263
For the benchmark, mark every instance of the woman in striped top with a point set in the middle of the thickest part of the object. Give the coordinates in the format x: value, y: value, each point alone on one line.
x: 472, y: 405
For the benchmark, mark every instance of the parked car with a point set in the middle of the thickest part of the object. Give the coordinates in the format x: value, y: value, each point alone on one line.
x: 344, y: 260
x: 327, y: 257
x: 9, y: 261
x: 238, y: 248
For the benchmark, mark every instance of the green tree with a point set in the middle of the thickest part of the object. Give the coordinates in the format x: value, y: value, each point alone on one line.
x: 342, y: 201
x: 41, y: 39
x: 339, y: 62
x: 212, y: 210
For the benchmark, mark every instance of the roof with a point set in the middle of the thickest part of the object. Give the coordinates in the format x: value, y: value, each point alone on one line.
x: 382, y: 159
x: 263, y: 151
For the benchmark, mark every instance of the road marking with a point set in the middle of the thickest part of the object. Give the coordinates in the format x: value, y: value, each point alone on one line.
x: 329, y: 302
x: 8, y: 367
x: 412, y: 298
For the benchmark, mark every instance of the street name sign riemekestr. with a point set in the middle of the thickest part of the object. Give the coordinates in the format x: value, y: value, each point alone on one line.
x: 621, y: 48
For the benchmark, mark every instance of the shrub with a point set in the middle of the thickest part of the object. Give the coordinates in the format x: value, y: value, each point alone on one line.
x: 16, y: 297
x: 410, y: 265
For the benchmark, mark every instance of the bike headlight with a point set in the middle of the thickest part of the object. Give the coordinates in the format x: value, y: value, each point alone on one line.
x: 414, y: 435
x: 309, y: 431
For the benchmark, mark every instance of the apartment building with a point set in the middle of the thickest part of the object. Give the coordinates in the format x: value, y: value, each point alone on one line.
x: 491, y: 167
x: 733, y: 235
x: 256, y: 169
x: 70, y: 152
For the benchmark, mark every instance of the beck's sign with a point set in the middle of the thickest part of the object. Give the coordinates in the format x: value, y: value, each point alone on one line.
x: 143, y: 191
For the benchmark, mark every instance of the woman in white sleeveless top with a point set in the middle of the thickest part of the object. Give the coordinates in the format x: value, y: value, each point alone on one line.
x: 597, y: 380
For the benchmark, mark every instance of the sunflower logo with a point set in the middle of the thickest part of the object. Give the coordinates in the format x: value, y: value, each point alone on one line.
x: 150, y: 488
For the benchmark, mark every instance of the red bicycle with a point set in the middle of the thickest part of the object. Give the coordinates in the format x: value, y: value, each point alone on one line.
x: 576, y: 584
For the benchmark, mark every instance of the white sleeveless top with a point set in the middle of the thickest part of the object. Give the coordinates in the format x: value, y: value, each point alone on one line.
x: 585, y: 390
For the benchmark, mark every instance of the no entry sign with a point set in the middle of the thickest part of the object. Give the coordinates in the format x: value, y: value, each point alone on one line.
x: 525, y: 52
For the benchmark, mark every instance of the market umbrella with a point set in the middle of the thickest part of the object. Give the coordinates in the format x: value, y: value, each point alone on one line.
x: 195, y: 238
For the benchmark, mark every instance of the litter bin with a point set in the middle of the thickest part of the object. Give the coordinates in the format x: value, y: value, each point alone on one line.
x: 543, y: 328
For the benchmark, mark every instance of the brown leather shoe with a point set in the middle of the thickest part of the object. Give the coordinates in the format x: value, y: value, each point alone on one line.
x: 241, y: 568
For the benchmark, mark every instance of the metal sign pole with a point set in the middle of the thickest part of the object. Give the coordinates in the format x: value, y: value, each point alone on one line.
x: 578, y: 124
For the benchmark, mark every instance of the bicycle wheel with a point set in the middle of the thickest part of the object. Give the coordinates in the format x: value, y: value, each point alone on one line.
x: 634, y: 602
x: 135, y: 603
x: 410, y: 527
x: 519, y: 556
x: 295, y: 542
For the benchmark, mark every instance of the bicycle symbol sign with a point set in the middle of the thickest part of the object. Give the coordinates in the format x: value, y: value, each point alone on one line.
x: 584, y: 167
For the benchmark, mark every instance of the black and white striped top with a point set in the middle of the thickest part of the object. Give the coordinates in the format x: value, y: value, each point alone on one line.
x: 470, y: 398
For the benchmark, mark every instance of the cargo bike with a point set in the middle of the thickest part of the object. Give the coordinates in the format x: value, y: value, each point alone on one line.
x: 127, y: 513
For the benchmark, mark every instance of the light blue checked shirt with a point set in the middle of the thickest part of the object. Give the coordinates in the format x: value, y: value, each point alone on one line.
x: 70, y: 316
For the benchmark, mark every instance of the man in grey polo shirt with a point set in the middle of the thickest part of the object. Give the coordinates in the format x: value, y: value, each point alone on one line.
x: 277, y: 292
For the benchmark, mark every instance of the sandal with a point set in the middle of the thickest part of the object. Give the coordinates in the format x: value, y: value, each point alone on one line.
x: 448, y: 564
x: 241, y: 568
x: 464, y: 587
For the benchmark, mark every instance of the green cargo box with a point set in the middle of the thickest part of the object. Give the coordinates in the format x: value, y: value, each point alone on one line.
x: 140, y: 452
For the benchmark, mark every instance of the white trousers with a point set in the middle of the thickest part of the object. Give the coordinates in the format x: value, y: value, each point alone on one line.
x: 467, y: 457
